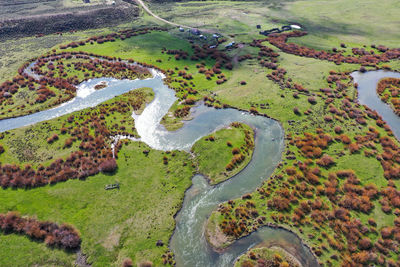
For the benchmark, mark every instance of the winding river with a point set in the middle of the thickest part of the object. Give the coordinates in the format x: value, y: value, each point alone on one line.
x: 188, y: 241
x: 367, y: 95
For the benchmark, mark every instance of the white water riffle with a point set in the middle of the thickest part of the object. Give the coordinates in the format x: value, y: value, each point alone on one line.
x: 84, y: 90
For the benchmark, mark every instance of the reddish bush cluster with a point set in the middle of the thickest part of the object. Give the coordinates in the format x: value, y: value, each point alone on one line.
x: 64, y: 236
x: 239, y: 153
x: 42, y: 88
x: 89, y: 64
x: 243, y: 212
x: 124, y: 34
x: 211, y: 138
x: 236, y: 160
x: 77, y: 165
x: 127, y: 263
x: 310, y: 145
x: 109, y: 165
x: 353, y: 111
x: 337, y: 83
x: 390, y: 158
x: 360, y: 56
x: 185, y: 84
x: 338, y: 129
x: 221, y: 60
x: 182, y: 112
x: 52, y: 139
x: 269, y: 58
x: 212, y: 102
x: 189, y: 101
x: 389, y: 91
x: 178, y: 54
x: 312, y: 100
x: 235, y: 151
x: 244, y: 57
x: 326, y: 161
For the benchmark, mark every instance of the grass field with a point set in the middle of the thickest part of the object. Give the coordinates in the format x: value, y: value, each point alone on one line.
x: 21, y: 251
x: 15, y: 52
x: 37, y: 7
x: 115, y: 224
x: 330, y: 22
x: 334, y: 22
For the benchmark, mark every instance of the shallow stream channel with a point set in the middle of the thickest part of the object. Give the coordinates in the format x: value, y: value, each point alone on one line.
x: 188, y: 241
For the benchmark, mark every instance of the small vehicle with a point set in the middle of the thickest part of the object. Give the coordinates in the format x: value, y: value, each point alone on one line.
x: 111, y: 186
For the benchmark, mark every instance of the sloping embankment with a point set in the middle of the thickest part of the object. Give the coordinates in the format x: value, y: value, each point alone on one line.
x: 67, y: 21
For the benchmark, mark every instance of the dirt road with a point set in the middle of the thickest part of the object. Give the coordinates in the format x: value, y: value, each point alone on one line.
x: 140, y: 2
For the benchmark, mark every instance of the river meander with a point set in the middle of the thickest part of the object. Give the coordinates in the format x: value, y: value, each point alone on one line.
x: 367, y: 95
x: 188, y: 241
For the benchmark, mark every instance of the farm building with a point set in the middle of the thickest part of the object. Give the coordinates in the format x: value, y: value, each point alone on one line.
x: 230, y: 45
x: 195, y: 31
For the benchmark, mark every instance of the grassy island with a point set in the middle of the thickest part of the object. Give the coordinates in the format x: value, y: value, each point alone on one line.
x: 224, y: 153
